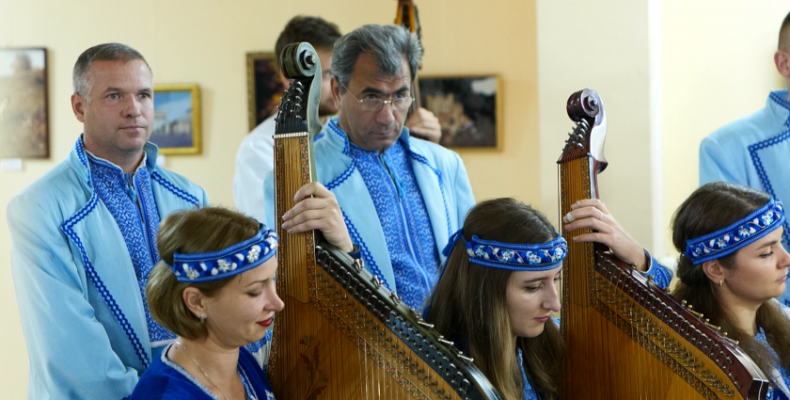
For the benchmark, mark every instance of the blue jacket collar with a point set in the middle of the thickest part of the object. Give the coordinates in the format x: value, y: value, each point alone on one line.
x: 78, y: 158
x: 777, y: 102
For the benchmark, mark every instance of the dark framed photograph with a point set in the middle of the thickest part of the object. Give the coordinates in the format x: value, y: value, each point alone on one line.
x: 264, y: 87
x: 177, y: 119
x: 24, y: 106
x: 469, y: 109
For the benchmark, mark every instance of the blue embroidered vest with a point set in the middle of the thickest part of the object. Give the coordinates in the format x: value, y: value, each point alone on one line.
x: 401, y: 211
x: 130, y: 200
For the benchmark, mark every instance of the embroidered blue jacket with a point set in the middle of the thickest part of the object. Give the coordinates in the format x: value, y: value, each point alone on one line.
x: 753, y: 151
x: 129, y: 199
x: 440, y: 177
x: 80, y: 303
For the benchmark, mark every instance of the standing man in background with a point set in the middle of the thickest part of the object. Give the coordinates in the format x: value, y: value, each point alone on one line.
x: 84, y: 238
x: 401, y: 197
x: 255, y: 157
x: 755, y: 150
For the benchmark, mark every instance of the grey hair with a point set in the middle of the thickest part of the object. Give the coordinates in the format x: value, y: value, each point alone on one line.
x: 102, y: 52
x: 386, y: 43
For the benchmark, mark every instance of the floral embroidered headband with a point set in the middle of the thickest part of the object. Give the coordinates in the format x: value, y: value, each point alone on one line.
x: 738, y: 235
x: 510, y: 256
x: 230, y: 261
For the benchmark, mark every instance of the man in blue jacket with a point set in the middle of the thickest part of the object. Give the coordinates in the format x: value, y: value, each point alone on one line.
x: 401, y: 197
x: 84, y: 238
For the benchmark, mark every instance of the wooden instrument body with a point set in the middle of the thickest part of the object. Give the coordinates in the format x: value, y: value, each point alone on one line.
x: 626, y: 338
x: 342, y: 335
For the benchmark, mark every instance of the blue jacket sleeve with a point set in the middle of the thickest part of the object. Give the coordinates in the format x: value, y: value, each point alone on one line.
x: 662, y: 275
x: 465, y: 199
x: 70, y: 352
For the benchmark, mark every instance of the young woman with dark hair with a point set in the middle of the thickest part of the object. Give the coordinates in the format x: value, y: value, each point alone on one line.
x: 497, y: 290
x: 731, y: 268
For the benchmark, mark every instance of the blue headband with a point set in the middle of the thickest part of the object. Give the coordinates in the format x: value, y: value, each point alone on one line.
x: 230, y: 261
x: 514, y: 257
x: 738, y: 235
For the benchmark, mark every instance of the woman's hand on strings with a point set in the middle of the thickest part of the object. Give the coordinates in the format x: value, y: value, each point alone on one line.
x: 593, y: 214
x: 317, y: 208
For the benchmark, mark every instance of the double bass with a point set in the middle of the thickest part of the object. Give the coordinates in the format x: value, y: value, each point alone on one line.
x: 408, y: 17
x: 342, y: 334
x: 626, y: 337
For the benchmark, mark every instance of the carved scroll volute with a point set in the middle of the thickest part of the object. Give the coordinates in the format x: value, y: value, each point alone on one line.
x: 294, y: 164
x: 587, y: 139
x: 298, y: 111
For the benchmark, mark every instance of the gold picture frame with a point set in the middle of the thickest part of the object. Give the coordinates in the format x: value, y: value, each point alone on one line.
x: 264, y: 87
x: 469, y: 108
x: 177, y: 114
x: 24, y: 103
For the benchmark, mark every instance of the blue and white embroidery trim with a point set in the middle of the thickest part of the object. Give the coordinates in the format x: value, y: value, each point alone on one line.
x: 233, y: 260
x: 742, y: 233
x: 511, y: 256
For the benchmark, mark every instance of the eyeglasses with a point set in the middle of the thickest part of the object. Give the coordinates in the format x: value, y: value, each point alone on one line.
x: 374, y: 104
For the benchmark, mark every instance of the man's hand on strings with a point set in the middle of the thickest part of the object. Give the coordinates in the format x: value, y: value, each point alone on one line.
x: 424, y: 125
x: 319, y: 212
x: 593, y: 214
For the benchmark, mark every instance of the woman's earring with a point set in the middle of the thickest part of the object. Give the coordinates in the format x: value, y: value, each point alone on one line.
x: 203, y: 316
x: 721, y: 282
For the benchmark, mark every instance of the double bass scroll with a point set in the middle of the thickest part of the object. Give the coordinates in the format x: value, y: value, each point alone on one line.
x: 626, y: 338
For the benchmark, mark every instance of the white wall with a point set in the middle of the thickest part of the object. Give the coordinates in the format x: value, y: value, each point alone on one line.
x: 717, y: 66
x: 590, y: 45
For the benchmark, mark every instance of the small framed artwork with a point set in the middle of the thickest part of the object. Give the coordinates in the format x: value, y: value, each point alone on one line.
x: 24, y: 110
x: 177, y: 119
x: 469, y: 109
x: 264, y: 87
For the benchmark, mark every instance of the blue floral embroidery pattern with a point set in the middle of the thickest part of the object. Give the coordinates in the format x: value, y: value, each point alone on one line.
x: 438, y: 173
x: 370, y: 263
x: 254, y: 347
x: 183, y: 195
x: 511, y: 256
x: 404, y: 219
x: 734, y: 237
x: 773, y: 393
x: 780, y: 98
x: 138, y: 232
x: 661, y: 275
x: 233, y: 260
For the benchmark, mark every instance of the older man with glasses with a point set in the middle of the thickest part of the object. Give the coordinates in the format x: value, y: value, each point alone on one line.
x: 401, y: 197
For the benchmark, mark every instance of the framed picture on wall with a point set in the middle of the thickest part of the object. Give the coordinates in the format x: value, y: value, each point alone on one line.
x: 469, y: 108
x: 24, y: 111
x: 264, y: 87
x: 177, y: 119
